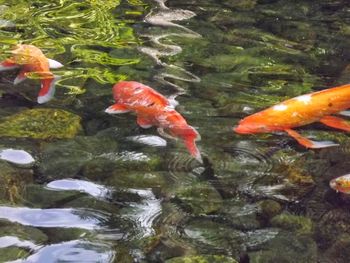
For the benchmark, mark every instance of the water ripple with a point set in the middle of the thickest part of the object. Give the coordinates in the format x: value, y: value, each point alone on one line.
x: 163, y: 16
x: 144, y: 213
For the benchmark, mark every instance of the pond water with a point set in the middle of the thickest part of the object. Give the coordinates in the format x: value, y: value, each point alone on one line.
x: 80, y: 185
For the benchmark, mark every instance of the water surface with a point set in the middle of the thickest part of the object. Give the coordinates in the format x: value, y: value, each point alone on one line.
x: 114, y: 192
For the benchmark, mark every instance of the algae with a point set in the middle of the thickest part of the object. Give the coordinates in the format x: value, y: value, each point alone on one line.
x: 41, y: 123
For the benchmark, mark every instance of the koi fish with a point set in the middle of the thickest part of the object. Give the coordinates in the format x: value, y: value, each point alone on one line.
x: 31, y: 59
x: 299, y: 111
x: 153, y: 109
x: 341, y: 184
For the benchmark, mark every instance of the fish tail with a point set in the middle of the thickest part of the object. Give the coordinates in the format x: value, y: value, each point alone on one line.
x: 193, y: 149
x: 190, y: 137
x: 47, y: 90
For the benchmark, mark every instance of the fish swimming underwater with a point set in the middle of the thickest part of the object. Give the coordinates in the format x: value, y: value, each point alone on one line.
x: 31, y: 59
x: 341, y: 184
x: 153, y: 109
x: 302, y: 110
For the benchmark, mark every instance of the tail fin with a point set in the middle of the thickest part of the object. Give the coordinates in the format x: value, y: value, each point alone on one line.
x: 192, y: 148
x: 47, y: 90
x: 190, y: 137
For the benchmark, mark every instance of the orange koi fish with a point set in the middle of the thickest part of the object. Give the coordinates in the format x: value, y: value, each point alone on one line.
x: 299, y: 111
x: 31, y: 59
x: 153, y: 109
x: 341, y: 184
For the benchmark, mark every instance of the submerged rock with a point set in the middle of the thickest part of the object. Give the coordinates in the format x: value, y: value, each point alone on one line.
x: 65, y: 158
x: 200, y: 198
x: 286, y: 247
x: 12, y: 253
x: 17, y: 241
x: 269, y: 209
x: 12, y: 182
x: 339, y: 251
x: 334, y: 223
x: 299, y: 224
x: 202, y: 259
x: 41, y: 124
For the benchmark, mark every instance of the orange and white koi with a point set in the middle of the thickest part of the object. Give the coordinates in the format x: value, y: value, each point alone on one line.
x: 299, y: 111
x: 341, y: 184
x: 153, y: 109
x: 31, y: 59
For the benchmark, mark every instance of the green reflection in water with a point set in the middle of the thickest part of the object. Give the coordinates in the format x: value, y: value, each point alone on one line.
x: 83, y: 35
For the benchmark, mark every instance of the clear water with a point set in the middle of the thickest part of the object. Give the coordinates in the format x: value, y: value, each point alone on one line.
x: 114, y: 192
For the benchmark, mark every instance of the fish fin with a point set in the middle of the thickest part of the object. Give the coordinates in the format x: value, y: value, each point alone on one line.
x: 20, y: 77
x: 47, y: 90
x: 173, y: 102
x: 309, y: 143
x: 144, y: 123
x: 165, y: 134
x: 8, y: 64
x: 54, y: 63
x: 345, y: 113
x: 198, y: 136
x: 192, y: 148
x: 336, y: 122
x: 117, y: 109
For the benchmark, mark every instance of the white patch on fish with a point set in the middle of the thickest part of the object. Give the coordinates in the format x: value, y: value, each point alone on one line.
x: 280, y: 107
x: 304, y: 98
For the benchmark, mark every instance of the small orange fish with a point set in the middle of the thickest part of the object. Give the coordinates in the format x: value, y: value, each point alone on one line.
x: 31, y: 59
x: 341, y: 184
x: 153, y: 109
x: 299, y: 111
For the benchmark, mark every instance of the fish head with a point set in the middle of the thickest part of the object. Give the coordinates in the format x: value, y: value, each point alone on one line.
x: 26, y: 54
x: 341, y: 184
x: 251, y: 125
x: 126, y: 89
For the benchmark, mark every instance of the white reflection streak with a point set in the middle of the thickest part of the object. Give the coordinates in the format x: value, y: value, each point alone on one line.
x: 163, y: 16
x: 63, y: 217
x: 95, y: 190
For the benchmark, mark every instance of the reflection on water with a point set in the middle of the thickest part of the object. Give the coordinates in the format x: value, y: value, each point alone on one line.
x: 67, y: 218
x: 119, y: 193
x: 73, y: 251
x: 90, y: 188
x: 16, y: 156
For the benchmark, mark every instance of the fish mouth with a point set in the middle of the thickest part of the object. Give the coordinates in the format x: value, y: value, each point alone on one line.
x: 241, y: 129
x: 333, y: 184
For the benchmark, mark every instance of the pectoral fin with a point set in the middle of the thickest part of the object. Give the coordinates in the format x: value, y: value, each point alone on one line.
x: 309, y: 143
x: 345, y: 113
x: 47, y: 90
x: 117, y: 109
x: 165, y: 134
x: 54, y: 64
x: 144, y: 123
x: 336, y: 122
x: 20, y: 77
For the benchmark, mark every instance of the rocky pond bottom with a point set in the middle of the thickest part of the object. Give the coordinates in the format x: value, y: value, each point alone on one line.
x: 79, y: 185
